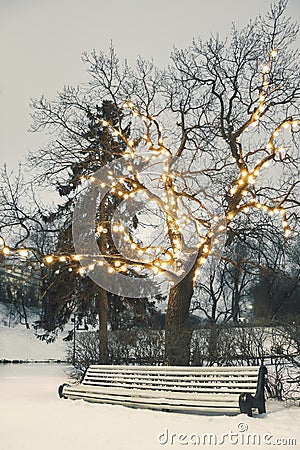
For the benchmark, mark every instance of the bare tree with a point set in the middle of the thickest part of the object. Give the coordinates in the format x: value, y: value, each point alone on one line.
x: 229, y: 110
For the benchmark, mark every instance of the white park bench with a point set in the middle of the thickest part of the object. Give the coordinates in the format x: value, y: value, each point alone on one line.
x: 169, y: 388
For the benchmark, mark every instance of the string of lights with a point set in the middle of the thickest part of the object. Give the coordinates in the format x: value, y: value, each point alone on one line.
x: 160, y: 259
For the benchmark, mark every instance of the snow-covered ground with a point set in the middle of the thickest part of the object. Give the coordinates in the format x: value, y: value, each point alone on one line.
x: 21, y: 344
x: 32, y: 417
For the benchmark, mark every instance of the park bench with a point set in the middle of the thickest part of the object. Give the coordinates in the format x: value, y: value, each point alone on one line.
x: 168, y: 388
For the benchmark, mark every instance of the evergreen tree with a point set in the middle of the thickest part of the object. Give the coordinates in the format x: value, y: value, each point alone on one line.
x: 64, y: 290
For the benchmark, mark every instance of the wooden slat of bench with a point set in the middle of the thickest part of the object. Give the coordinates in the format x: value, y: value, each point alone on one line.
x: 160, y: 401
x: 153, y: 378
x: 170, y: 382
x: 182, y: 369
x: 238, y: 389
x: 172, y: 370
x: 204, y: 396
x: 176, y: 408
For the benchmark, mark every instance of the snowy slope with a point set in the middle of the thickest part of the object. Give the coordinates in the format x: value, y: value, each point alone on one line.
x: 18, y: 343
x: 32, y: 417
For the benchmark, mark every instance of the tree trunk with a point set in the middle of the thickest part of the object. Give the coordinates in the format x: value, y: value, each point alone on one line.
x: 213, y: 344
x: 103, y: 341
x: 24, y: 312
x: 178, y: 329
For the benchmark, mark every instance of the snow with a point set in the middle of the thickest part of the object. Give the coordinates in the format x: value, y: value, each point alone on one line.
x: 34, y: 418
x: 21, y: 344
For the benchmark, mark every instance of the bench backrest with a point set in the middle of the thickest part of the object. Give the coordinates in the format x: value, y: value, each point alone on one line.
x: 227, y: 380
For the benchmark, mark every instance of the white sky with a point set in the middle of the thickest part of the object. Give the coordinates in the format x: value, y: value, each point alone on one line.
x: 41, y: 42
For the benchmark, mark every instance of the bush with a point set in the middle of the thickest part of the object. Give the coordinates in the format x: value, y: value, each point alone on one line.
x: 142, y: 347
x: 279, y: 347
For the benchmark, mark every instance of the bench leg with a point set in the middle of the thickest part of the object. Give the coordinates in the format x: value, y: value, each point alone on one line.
x: 245, y: 403
x: 262, y: 407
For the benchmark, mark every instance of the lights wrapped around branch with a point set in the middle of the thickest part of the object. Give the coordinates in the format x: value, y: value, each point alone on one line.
x: 128, y: 185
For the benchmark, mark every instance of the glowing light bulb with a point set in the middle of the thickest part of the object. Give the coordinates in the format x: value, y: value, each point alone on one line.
x: 6, y: 251
x: 23, y: 252
x: 274, y: 53
x: 265, y: 69
x: 49, y: 259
